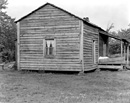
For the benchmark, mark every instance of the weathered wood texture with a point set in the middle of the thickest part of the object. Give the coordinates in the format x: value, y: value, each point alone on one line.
x: 18, y: 45
x: 116, y: 60
x: 112, y: 63
x: 50, y: 22
x: 119, y: 67
x: 90, y: 34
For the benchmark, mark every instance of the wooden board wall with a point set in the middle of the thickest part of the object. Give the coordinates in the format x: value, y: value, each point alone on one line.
x: 50, y: 22
x: 90, y: 34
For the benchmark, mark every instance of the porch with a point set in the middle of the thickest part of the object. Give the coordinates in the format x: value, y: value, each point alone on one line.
x: 118, y: 61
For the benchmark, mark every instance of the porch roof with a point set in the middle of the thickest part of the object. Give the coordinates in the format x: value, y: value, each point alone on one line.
x: 114, y: 36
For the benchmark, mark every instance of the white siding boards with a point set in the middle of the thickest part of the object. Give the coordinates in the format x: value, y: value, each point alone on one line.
x: 72, y: 40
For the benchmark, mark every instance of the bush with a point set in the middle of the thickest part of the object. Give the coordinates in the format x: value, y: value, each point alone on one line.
x: 114, y: 48
x: 8, y: 55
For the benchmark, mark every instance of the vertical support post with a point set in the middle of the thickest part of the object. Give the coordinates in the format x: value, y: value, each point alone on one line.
x: 99, y: 50
x: 108, y: 46
x: 18, y: 45
x: 81, y: 47
x: 128, y: 54
x: 124, y: 50
x: 104, y: 49
x: 121, y: 48
x: 124, y: 54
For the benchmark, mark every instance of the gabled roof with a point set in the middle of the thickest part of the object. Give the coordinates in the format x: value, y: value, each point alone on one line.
x: 88, y: 23
x: 57, y: 8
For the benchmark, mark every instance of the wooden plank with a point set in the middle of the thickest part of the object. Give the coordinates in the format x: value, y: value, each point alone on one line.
x: 127, y: 54
x: 124, y: 50
x: 18, y: 45
x: 98, y: 46
x: 81, y: 46
x: 46, y: 18
x: 51, y: 68
x: 117, y: 60
x: 46, y: 24
x: 52, y: 34
x: 62, y: 66
x: 26, y: 59
x: 114, y: 63
x: 50, y: 17
x: 51, y: 27
x: 121, y: 48
x: 59, y: 39
x: 47, y: 63
x: 111, y: 67
x: 47, y: 31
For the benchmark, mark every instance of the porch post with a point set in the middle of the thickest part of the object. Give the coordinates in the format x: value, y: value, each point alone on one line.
x: 128, y: 54
x: 121, y: 48
x: 124, y: 50
x: 108, y: 46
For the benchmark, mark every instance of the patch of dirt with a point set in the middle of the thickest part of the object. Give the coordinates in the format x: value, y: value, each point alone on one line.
x: 95, y: 87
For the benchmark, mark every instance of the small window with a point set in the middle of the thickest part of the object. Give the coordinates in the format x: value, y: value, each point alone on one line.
x: 49, y: 47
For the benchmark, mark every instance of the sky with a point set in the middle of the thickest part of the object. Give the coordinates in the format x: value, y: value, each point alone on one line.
x: 100, y: 12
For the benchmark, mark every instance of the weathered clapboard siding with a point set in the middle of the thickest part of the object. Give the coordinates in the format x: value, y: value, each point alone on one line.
x: 89, y: 34
x: 50, y: 22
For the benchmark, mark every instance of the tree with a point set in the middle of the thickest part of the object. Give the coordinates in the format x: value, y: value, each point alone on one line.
x: 7, y: 31
x: 3, y: 4
x: 115, y: 44
x: 110, y: 27
x: 124, y: 33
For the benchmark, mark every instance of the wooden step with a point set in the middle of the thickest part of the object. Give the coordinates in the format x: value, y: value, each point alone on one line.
x: 117, y: 60
x: 119, y: 67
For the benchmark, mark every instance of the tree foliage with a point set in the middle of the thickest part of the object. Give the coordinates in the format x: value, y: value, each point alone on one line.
x: 110, y: 27
x: 124, y: 33
x: 3, y: 4
x: 115, y: 46
x: 7, y: 30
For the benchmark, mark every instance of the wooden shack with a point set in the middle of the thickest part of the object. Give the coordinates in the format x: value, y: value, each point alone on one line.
x: 50, y: 38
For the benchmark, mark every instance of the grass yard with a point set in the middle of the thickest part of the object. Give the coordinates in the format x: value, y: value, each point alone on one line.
x: 95, y: 87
